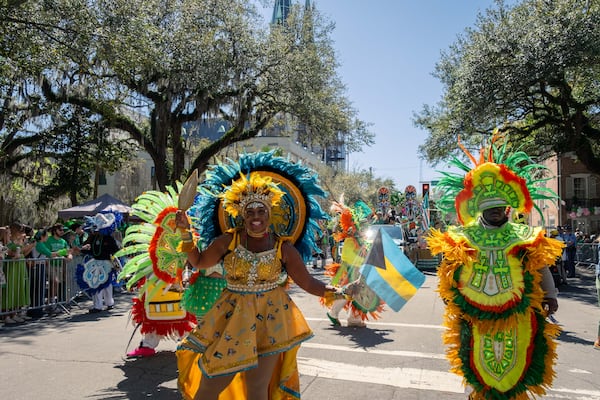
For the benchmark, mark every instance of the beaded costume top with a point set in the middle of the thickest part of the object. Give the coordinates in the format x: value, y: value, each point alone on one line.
x: 245, y: 270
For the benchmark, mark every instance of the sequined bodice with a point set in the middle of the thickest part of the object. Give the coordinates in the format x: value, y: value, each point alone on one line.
x: 243, y: 267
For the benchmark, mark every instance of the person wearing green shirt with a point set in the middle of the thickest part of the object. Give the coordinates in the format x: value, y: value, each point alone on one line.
x: 56, y: 273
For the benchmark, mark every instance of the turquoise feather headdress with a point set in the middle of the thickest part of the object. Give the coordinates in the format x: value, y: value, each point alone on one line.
x: 297, y: 215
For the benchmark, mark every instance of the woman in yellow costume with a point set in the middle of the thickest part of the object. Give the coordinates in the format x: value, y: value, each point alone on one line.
x: 245, y: 346
x: 494, y: 277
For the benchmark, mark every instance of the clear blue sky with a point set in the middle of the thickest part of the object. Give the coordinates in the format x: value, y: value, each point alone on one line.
x: 388, y: 50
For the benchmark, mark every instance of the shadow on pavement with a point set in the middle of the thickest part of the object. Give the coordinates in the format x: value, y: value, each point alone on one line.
x: 144, y: 378
x: 364, y: 337
x: 582, y: 288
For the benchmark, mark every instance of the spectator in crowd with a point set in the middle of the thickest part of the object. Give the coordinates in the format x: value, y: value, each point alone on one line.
x: 78, y: 237
x: 560, y: 261
x: 391, y: 216
x: 378, y: 218
x: 15, y: 297
x: 56, y: 269
x: 322, y: 241
x: 571, y: 250
x: 41, y: 253
x: 4, y: 238
x: 37, y: 275
x: 69, y: 237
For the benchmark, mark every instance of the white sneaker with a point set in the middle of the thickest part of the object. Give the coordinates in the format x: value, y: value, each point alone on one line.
x: 25, y: 317
x: 18, y: 319
x: 9, y: 320
x: 357, y: 324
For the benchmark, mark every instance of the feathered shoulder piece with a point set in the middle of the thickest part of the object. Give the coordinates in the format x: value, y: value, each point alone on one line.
x: 152, y: 244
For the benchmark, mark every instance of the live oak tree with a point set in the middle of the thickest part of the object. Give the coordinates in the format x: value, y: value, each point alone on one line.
x: 146, y: 67
x: 79, y: 144
x: 352, y: 186
x: 533, y: 71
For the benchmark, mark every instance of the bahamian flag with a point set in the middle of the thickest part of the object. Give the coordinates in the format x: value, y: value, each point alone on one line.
x: 390, y: 273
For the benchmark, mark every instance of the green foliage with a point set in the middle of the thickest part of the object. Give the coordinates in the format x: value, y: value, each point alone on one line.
x: 146, y: 67
x: 531, y: 70
x: 80, y: 145
x: 353, y: 186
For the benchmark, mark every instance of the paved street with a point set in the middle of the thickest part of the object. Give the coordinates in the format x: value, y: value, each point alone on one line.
x: 401, y: 356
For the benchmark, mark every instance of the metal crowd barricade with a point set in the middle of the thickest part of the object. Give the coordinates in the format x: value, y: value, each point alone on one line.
x: 587, y: 255
x: 44, y: 283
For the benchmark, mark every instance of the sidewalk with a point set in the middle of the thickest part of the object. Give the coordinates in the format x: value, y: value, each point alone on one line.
x: 82, y: 356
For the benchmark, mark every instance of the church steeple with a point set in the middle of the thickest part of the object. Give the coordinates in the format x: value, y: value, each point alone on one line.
x: 281, y: 11
x: 308, y: 35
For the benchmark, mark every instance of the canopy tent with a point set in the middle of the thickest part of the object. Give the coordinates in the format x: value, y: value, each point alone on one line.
x: 105, y: 203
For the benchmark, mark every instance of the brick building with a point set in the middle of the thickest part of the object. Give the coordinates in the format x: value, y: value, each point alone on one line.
x: 579, y: 192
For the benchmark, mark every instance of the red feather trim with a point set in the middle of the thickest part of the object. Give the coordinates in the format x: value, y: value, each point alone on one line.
x: 194, y: 277
x: 162, y: 275
x: 331, y: 269
x: 496, y: 309
x: 177, y: 327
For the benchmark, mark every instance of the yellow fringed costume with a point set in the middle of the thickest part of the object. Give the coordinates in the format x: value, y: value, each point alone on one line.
x: 254, y: 316
x: 491, y: 280
x: 259, y: 319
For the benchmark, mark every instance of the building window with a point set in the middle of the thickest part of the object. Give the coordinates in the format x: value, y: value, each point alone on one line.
x: 101, y: 177
x: 579, y: 188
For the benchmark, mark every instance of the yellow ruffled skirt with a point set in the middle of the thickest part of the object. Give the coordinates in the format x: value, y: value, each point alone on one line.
x: 238, y: 329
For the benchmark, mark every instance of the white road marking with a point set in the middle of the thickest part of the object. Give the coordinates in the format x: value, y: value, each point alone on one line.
x: 579, y: 371
x: 397, y: 353
x: 438, y: 327
x: 411, y: 378
x: 576, y: 394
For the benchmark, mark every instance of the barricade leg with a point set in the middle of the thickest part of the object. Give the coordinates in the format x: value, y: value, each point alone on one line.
x: 37, y: 288
x: 75, y: 292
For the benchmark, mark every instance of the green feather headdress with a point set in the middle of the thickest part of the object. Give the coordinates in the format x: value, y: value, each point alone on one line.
x: 498, y: 178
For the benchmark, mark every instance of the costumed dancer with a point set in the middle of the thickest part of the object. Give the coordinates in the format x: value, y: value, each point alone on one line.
x: 96, y: 275
x: 155, y: 268
x: 494, y: 277
x: 245, y: 346
x: 349, y: 230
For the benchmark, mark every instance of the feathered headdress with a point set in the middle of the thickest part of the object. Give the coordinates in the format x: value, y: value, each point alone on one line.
x: 105, y: 222
x: 350, y: 218
x: 498, y: 178
x: 248, y: 189
x: 296, y: 214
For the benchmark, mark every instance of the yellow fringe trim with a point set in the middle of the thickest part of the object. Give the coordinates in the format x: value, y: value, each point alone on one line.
x: 541, y: 252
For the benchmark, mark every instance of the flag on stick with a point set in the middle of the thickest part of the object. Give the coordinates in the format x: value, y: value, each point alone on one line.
x: 426, y: 216
x: 390, y: 273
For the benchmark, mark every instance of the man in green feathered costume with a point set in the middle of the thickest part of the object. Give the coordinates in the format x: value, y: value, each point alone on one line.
x: 494, y: 278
